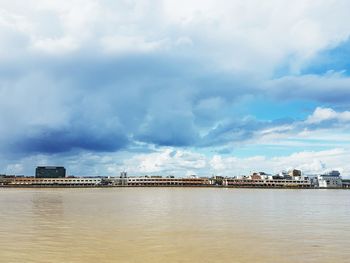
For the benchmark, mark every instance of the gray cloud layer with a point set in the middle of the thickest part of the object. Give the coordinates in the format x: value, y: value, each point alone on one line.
x: 105, y: 103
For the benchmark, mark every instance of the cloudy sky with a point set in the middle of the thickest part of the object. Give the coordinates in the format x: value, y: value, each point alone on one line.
x: 174, y: 87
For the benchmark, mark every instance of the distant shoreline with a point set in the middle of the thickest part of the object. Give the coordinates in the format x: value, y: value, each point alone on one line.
x: 152, y: 186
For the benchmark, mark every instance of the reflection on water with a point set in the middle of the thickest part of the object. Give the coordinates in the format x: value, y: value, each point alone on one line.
x: 174, y: 225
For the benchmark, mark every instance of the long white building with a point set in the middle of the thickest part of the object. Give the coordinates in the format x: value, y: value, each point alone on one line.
x: 75, y: 181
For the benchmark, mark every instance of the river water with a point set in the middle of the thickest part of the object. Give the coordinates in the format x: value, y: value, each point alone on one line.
x: 174, y: 225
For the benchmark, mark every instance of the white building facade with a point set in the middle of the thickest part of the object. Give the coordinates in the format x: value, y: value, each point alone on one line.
x: 330, y: 180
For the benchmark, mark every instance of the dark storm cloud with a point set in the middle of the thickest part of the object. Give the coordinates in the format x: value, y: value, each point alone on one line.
x: 57, y: 141
x: 102, y: 103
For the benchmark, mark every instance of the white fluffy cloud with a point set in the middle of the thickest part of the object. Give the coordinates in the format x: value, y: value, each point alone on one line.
x: 310, y: 162
x: 263, y: 34
x: 326, y: 114
x: 166, y: 161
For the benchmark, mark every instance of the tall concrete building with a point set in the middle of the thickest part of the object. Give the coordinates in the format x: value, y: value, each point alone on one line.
x: 50, y: 172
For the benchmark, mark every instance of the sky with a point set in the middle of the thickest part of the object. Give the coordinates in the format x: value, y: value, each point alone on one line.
x: 155, y: 87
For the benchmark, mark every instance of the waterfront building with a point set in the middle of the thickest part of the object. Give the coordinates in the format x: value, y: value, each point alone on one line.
x: 6, y: 179
x: 330, y: 180
x: 346, y: 183
x: 160, y: 181
x: 47, y: 182
x: 115, y: 181
x: 314, y: 179
x: 267, y: 183
x: 50, y: 172
x: 217, y: 180
x: 53, y: 176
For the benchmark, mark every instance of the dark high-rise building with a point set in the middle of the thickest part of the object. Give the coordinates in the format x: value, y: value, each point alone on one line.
x: 50, y: 172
